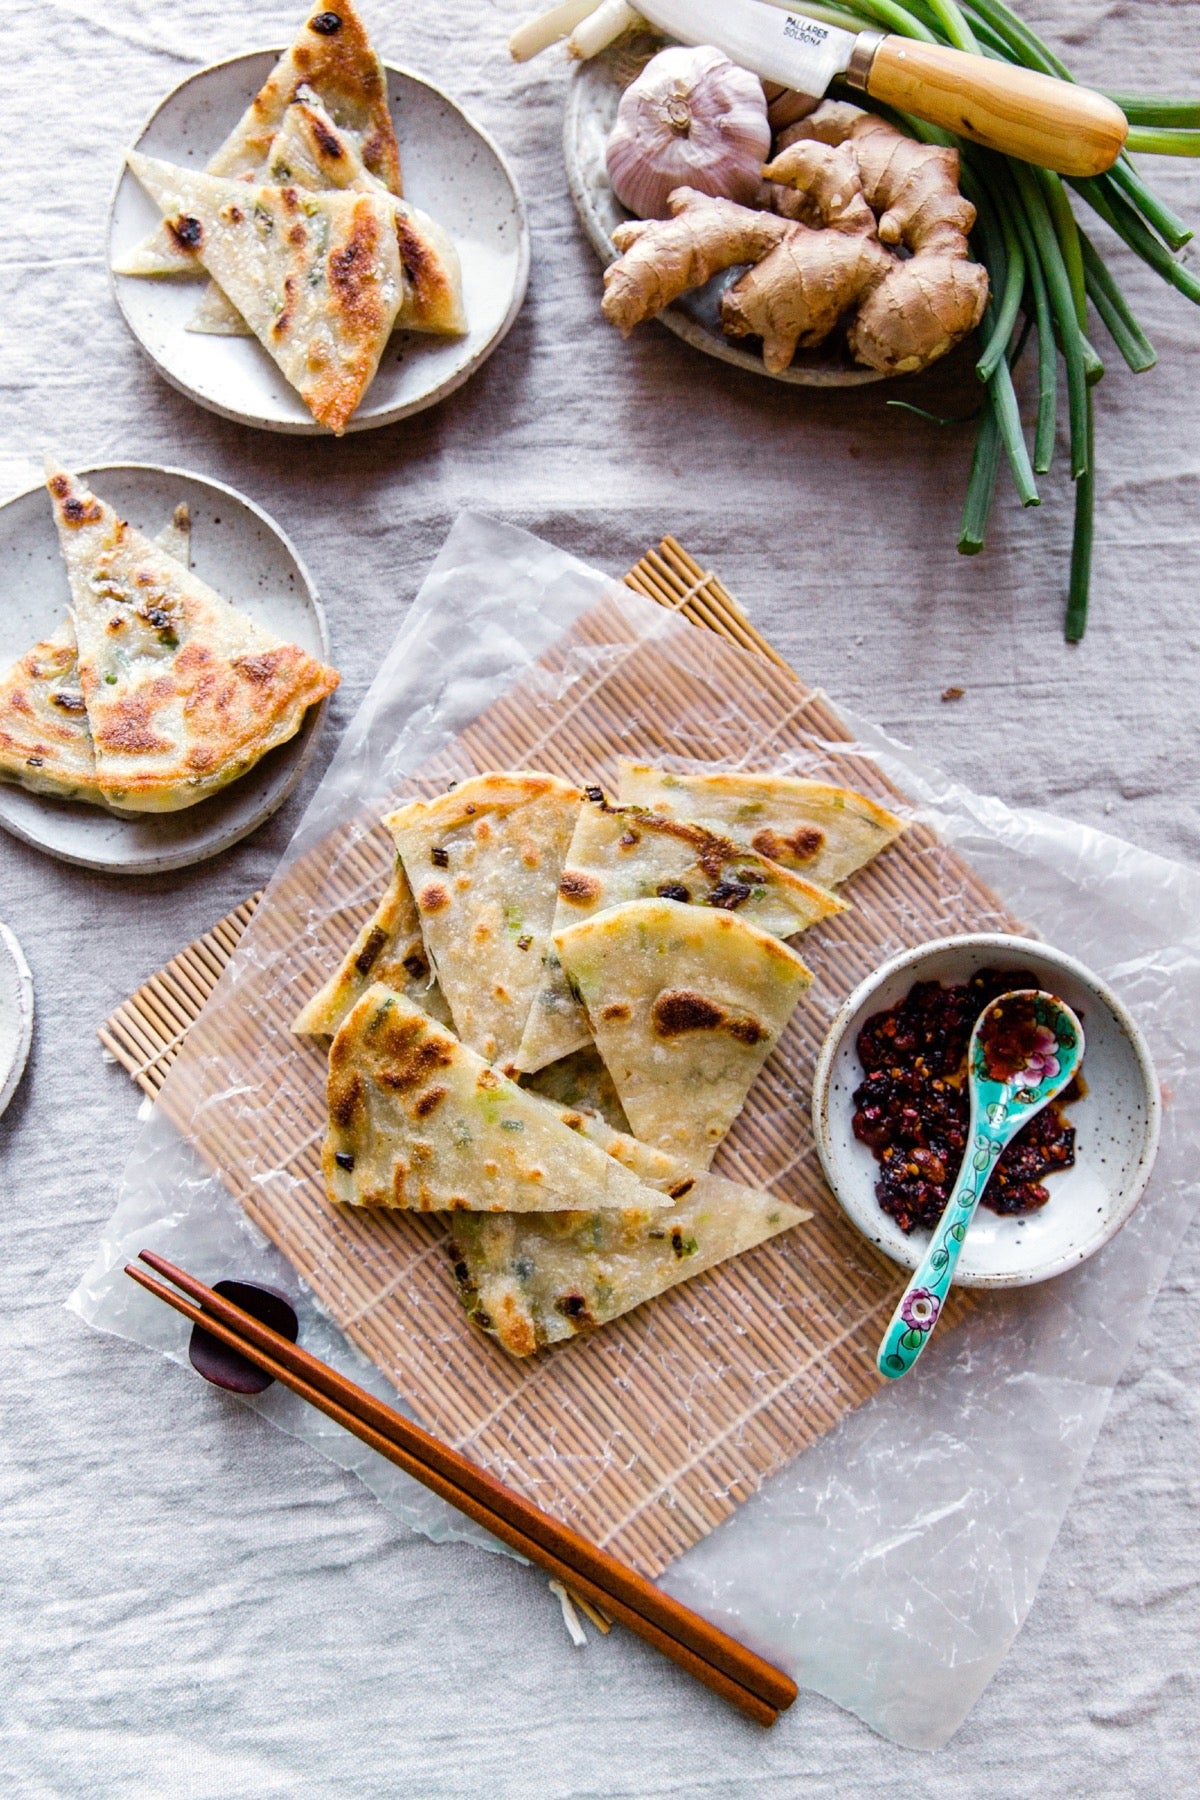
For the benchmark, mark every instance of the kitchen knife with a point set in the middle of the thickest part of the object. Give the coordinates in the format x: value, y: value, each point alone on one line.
x: 1035, y: 117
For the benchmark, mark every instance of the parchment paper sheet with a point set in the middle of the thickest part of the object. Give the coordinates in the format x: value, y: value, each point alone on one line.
x: 889, y: 1566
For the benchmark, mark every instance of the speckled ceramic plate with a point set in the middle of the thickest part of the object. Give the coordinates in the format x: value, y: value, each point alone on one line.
x: 452, y: 170
x: 1116, y: 1122
x: 16, y: 1014
x: 592, y: 101
x: 240, y: 552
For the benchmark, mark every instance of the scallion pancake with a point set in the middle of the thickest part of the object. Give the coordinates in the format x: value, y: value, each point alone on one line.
x: 532, y: 1279
x: 419, y: 1121
x: 685, y: 1003
x: 822, y: 832
x: 483, y: 862
x: 633, y: 853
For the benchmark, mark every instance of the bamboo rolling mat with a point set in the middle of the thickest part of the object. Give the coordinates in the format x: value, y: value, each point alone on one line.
x: 649, y: 1433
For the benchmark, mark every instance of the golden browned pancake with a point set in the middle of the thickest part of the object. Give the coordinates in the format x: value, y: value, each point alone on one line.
x: 685, y: 1003
x: 184, y: 693
x: 333, y: 58
x: 317, y: 277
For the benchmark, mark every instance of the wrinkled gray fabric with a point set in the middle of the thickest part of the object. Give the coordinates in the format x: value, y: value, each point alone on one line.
x: 194, y: 1605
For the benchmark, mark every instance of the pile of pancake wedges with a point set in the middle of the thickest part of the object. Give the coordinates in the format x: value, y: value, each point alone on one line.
x: 154, y: 691
x: 556, y: 1013
x: 299, y: 224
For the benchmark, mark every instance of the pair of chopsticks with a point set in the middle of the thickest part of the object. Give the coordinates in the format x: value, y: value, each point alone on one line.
x: 752, y: 1685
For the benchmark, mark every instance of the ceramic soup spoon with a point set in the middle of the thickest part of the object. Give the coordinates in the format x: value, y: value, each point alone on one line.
x: 1025, y: 1049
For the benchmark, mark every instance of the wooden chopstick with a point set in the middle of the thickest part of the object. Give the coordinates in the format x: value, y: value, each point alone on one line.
x: 709, y: 1654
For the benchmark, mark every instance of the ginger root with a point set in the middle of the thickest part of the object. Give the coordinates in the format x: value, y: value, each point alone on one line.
x: 867, y: 226
x: 661, y: 258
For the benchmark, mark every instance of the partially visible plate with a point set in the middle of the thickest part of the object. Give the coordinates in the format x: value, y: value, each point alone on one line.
x: 452, y: 170
x: 241, y: 553
x: 592, y: 102
x: 16, y: 1014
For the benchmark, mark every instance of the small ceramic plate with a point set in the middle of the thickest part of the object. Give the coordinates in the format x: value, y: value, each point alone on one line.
x: 592, y: 102
x: 452, y: 170
x: 16, y: 1014
x: 1116, y: 1122
x: 240, y: 552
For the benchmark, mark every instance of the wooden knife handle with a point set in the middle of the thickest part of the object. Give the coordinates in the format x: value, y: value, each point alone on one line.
x: 1036, y: 117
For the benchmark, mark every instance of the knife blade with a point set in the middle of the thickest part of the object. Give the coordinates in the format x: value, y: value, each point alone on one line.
x: 1035, y: 117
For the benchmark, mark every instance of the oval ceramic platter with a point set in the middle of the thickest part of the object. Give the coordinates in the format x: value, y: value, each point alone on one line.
x: 16, y: 1014
x: 452, y: 170
x: 240, y: 552
x: 592, y: 102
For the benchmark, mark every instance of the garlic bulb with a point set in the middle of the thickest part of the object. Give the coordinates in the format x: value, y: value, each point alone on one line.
x: 691, y: 119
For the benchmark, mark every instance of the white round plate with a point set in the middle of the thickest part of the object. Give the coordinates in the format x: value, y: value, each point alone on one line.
x: 16, y: 1014
x: 1116, y: 1121
x: 592, y: 102
x: 452, y: 170
x: 241, y: 553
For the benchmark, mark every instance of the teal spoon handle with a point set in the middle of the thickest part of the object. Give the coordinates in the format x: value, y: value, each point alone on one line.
x: 920, y: 1307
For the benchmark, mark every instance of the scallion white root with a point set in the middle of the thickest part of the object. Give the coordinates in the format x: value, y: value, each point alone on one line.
x: 548, y: 28
x: 601, y: 28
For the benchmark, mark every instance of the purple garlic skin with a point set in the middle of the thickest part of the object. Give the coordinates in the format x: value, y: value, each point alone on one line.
x: 691, y: 119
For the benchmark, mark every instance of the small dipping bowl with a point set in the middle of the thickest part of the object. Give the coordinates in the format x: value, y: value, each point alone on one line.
x: 1116, y: 1122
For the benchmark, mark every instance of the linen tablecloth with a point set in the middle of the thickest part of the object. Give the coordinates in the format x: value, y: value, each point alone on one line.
x: 196, y: 1606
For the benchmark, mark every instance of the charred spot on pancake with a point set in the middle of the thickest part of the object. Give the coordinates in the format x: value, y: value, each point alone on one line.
x: 69, y: 703
x: 232, y: 215
x: 298, y: 237
x: 678, y: 1191
x: 628, y: 839
x: 574, y: 1307
x: 353, y: 270
x: 367, y: 956
x: 747, y: 1030
x: 327, y: 143
x: 800, y: 845
x: 429, y: 1101
x: 420, y: 265
x: 187, y: 232
x: 343, y: 1159
x: 411, y: 1059
x: 574, y: 1121
x: 672, y: 890
x: 282, y: 325
x: 75, y: 512
x: 730, y: 894
x: 617, y: 1010
x: 344, y: 1096
x: 434, y: 898
x: 680, y: 1009
x: 578, y: 887
x: 487, y: 1079
x: 325, y: 24
x: 416, y: 965
x: 261, y: 669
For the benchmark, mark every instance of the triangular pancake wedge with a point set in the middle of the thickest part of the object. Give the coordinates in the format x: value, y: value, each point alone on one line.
x: 532, y: 1279
x: 824, y: 833
x: 483, y: 862
x: 685, y: 1003
x: 632, y: 853
x: 419, y: 1121
x: 310, y: 152
x: 388, y: 949
x: 331, y: 57
x: 184, y: 693
x: 45, y: 738
x: 317, y: 277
